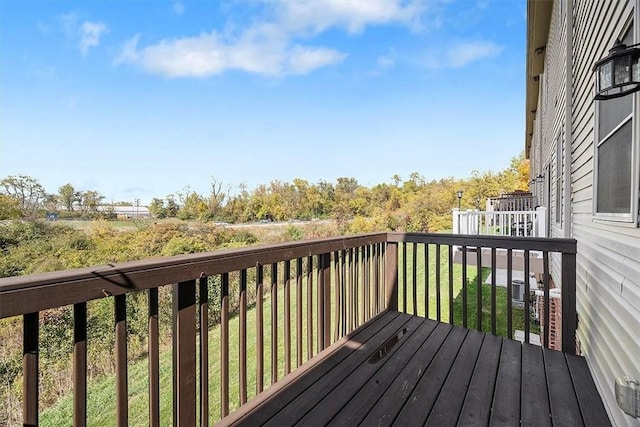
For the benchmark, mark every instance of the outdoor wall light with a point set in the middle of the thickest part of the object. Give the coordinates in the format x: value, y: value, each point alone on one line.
x: 540, y: 178
x: 618, y: 74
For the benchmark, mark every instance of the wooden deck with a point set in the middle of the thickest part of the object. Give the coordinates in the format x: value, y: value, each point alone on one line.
x: 405, y: 370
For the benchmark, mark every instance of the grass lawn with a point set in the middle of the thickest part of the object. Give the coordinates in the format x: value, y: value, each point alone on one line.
x: 101, y: 403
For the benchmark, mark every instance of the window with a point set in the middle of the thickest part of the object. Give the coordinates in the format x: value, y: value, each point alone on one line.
x: 616, y: 186
x: 559, y: 153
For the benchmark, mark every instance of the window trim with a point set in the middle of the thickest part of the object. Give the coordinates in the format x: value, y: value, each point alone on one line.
x: 629, y: 218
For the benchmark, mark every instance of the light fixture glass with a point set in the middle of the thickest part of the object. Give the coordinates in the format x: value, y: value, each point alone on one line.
x: 617, y: 74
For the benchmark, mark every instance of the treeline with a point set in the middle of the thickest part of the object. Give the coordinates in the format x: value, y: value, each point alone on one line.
x: 411, y: 204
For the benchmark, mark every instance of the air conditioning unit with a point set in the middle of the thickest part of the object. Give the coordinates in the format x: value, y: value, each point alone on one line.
x: 517, y: 290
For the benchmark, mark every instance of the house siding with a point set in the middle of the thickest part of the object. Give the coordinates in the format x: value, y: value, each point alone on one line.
x: 608, y: 260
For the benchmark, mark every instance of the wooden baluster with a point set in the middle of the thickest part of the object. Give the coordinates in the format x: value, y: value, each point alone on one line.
x: 154, y: 358
x: 80, y: 364
x: 414, y: 257
x: 243, y: 336
x: 259, y: 328
x: 122, y: 394
x: 299, y: 311
x: 479, y: 286
x: 493, y: 291
x: 274, y: 323
x: 509, y: 293
x: 184, y: 356
x: 450, y: 266
x: 287, y: 316
x: 224, y: 345
x: 309, y: 307
x: 203, y: 310
x: 30, y: 369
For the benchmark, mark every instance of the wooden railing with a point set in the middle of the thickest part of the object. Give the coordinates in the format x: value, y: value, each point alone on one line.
x: 304, y: 295
x: 529, y: 223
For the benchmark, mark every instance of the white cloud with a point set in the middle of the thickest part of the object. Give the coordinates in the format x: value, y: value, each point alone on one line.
x: 86, y: 34
x: 302, y: 60
x: 463, y: 53
x: 318, y: 15
x: 178, y: 8
x: 274, y: 47
x: 90, y: 33
x: 256, y: 51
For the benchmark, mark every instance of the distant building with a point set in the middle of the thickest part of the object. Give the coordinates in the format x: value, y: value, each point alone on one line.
x: 126, y: 212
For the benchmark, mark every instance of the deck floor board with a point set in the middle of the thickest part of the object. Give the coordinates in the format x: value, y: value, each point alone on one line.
x: 431, y: 374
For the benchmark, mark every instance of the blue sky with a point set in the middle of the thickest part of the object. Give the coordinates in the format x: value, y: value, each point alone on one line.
x: 140, y: 99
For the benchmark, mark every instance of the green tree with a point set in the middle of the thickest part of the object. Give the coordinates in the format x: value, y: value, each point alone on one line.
x: 157, y: 209
x: 28, y: 192
x: 68, y: 197
x: 9, y: 208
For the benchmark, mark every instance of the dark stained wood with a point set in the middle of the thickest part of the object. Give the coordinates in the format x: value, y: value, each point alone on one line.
x: 414, y: 282
x: 451, y: 398
x: 224, y: 345
x: 432, y: 373
x: 509, y: 293
x: 274, y: 323
x: 80, y: 364
x: 154, y: 359
x: 259, y: 328
x: 27, y: 294
x: 286, y: 274
x: 203, y: 312
x: 242, y: 325
x: 337, y: 311
x: 426, y: 264
x: 545, y: 324
x: 565, y: 410
x: 391, y: 275
x: 424, y: 395
x: 451, y: 304
x: 506, y: 399
x: 479, y: 289
x: 534, y: 393
x: 298, y: 312
x: 569, y: 317
x: 493, y: 291
x: 326, y: 303
x: 350, y: 386
x: 527, y: 307
x: 122, y: 388
x: 257, y: 412
x: 463, y: 290
x: 439, y: 283
x: 404, y: 278
x: 309, y: 307
x: 385, y: 409
x: 184, y: 302
x: 368, y: 394
x: 308, y: 397
x: 476, y: 409
x: 591, y: 406
x: 30, y: 369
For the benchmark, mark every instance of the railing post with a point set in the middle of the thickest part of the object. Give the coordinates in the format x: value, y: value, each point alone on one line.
x: 391, y: 275
x: 184, y: 356
x: 541, y: 220
x: 569, y: 317
x: 456, y: 221
x: 324, y: 301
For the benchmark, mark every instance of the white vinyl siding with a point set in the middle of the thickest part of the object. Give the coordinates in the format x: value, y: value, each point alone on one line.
x: 608, y: 258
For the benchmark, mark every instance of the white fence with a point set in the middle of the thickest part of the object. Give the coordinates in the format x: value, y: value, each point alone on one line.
x: 501, y: 223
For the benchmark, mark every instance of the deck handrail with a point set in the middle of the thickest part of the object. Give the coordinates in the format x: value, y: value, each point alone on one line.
x: 352, y: 279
